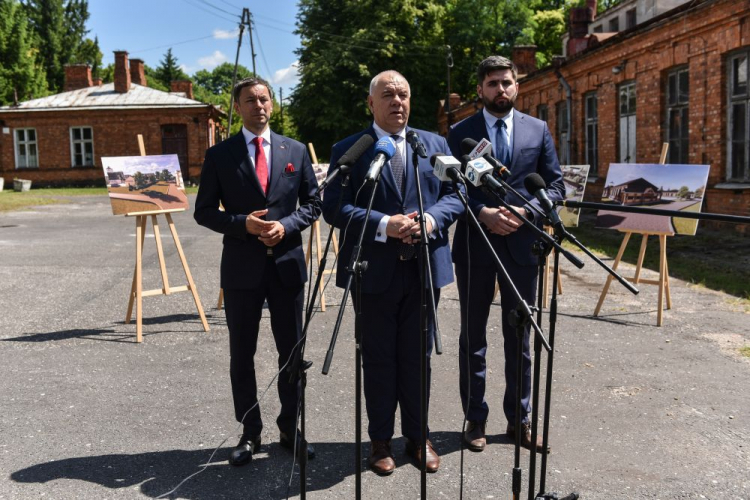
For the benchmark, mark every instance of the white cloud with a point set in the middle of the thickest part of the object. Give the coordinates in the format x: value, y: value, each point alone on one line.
x: 288, y: 76
x: 224, y: 34
x: 210, y: 62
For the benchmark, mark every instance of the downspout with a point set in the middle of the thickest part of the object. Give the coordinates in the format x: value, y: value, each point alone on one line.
x: 569, y: 100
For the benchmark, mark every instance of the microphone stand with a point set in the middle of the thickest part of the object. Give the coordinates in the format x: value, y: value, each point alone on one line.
x: 356, y: 269
x: 521, y: 317
x: 425, y: 281
x: 299, y: 366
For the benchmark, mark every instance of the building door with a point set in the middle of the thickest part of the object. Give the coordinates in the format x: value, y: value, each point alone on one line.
x: 174, y: 142
x: 627, y: 123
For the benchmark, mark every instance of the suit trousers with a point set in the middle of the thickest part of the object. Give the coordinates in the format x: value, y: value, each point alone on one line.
x: 391, y: 350
x: 476, y: 287
x: 244, y: 309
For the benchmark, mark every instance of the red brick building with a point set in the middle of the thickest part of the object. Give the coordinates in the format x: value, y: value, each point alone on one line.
x: 679, y: 76
x: 60, y: 139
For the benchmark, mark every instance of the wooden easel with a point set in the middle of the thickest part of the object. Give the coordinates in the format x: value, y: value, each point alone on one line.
x: 136, y: 290
x: 663, y: 281
x: 315, y: 235
x: 548, y: 272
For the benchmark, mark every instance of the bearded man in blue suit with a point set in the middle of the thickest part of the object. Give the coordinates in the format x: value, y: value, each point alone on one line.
x: 390, y: 299
x: 525, y: 146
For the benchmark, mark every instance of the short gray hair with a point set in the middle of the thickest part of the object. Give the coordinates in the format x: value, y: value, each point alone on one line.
x: 376, y: 79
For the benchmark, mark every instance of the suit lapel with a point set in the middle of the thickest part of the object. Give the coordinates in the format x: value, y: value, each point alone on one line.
x: 279, y: 159
x: 390, y: 181
x: 518, y: 132
x: 242, y: 158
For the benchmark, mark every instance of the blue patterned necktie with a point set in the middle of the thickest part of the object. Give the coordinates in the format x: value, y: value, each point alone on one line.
x: 502, y: 150
x: 397, y: 165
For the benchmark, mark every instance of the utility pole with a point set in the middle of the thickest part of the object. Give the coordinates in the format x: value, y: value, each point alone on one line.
x: 246, y: 20
x: 281, y: 108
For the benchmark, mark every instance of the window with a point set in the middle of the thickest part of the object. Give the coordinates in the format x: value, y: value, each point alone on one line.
x: 614, y: 24
x: 26, y: 150
x: 563, y: 134
x: 82, y: 146
x: 627, y: 122
x: 598, y: 28
x: 738, y: 168
x: 541, y: 112
x: 630, y: 19
x: 592, y: 126
x: 677, y: 115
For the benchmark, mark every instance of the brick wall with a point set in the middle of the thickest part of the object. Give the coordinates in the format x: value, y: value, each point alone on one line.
x: 115, y: 134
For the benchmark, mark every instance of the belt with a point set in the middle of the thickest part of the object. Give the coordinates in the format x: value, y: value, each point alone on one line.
x: 269, y: 252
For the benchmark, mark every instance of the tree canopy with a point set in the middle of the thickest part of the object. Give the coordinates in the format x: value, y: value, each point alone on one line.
x: 21, y: 73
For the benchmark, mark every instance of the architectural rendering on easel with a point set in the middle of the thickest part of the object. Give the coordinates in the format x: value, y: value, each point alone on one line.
x: 144, y: 183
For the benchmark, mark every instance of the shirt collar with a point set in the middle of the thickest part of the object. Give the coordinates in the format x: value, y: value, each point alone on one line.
x: 382, y: 133
x: 491, y: 119
x: 250, y: 137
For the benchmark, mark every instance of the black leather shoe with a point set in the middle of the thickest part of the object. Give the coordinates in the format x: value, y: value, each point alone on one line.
x: 243, y: 452
x: 474, y: 436
x: 286, y: 441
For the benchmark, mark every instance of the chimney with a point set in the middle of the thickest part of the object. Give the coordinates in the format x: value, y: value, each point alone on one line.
x: 138, y: 72
x: 524, y: 57
x: 122, y: 72
x: 77, y: 76
x: 97, y: 82
x: 182, y: 86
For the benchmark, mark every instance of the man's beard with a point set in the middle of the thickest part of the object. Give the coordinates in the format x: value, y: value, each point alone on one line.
x: 501, y: 108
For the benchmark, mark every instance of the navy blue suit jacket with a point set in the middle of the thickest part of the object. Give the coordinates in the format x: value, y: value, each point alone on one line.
x: 439, y: 200
x: 533, y: 151
x: 228, y: 177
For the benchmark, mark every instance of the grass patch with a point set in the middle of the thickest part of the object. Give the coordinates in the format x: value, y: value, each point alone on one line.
x: 11, y: 200
x: 745, y: 351
x: 717, y: 260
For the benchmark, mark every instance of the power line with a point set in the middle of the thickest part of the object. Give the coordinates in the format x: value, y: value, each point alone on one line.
x: 205, y: 2
x: 175, y: 43
x: 262, y: 54
x: 209, y: 11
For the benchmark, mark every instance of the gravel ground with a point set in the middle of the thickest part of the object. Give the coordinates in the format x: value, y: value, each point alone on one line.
x: 638, y: 411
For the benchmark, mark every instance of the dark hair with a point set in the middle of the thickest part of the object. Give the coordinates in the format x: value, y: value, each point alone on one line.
x: 494, y: 63
x: 251, y: 81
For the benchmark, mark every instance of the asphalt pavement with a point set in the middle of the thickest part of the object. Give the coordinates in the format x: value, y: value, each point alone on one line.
x: 638, y: 411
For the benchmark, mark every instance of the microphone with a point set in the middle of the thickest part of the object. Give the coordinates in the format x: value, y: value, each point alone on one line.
x: 479, y: 173
x: 384, y: 150
x: 416, y: 145
x: 347, y: 159
x: 535, y: 185
x: 483, y: 149
x: 446, y: 168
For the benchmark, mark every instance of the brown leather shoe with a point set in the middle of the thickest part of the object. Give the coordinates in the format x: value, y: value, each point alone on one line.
x: 474, y: 435
x: 526, y: 437
x: 381, y: 459
x: 433, y: 460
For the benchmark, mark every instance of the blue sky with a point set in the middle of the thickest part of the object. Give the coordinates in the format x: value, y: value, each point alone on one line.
x: 666, y: 176
x: 201, y: 33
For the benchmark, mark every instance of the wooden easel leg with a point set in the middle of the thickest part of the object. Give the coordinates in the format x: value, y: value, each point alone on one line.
x: 545, y: 283
x: 140, y: 237
x: 559, y: 282
x: 308, y: 255
x: 666, y: 278
x: 641, y: 255
x: 191, y: 284
x: 160, y: 254
x: 610, y: 277
x: 662, y: 268
x: 221, y: 298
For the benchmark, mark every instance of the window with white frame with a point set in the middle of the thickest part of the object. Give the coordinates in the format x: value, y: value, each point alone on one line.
x: 82, y: 146
x: 592, y: 132
x: 26, y: 148
x: 677, y: 115
x: 738, y: 168
x: 627, y: 122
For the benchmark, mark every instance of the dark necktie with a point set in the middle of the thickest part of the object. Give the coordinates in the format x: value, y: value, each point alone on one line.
x: 261, y: 166
x: 397, y: 165
x: 501, y: 143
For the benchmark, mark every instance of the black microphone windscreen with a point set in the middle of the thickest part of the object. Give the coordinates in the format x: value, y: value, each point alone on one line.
x: 534, y: 182
x: 434, y: 158
x: 357, y: 150
x: 467, y: 145
x: 464, y: 160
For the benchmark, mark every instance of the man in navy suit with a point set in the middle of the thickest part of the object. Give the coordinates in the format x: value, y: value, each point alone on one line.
x: 260, y: 177
x: 390, y: 301
x: 524, y: 145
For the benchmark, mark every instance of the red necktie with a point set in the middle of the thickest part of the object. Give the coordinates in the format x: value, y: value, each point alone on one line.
x: 261, y: 167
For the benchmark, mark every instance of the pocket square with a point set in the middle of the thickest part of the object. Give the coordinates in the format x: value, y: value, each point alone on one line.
x: 289, y: 168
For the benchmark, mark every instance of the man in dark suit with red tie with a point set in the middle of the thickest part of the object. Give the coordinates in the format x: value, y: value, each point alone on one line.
x: 524, y: 145
x: 390, y: 298
x: 260, y: 177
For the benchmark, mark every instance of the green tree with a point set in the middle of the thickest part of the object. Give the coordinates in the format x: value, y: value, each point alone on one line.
x: 218, y: 81
x: 683, y: 192
x: 347, y: 42
x: 20, y: 72
x: 60, y: 36
x: 168, y: 70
